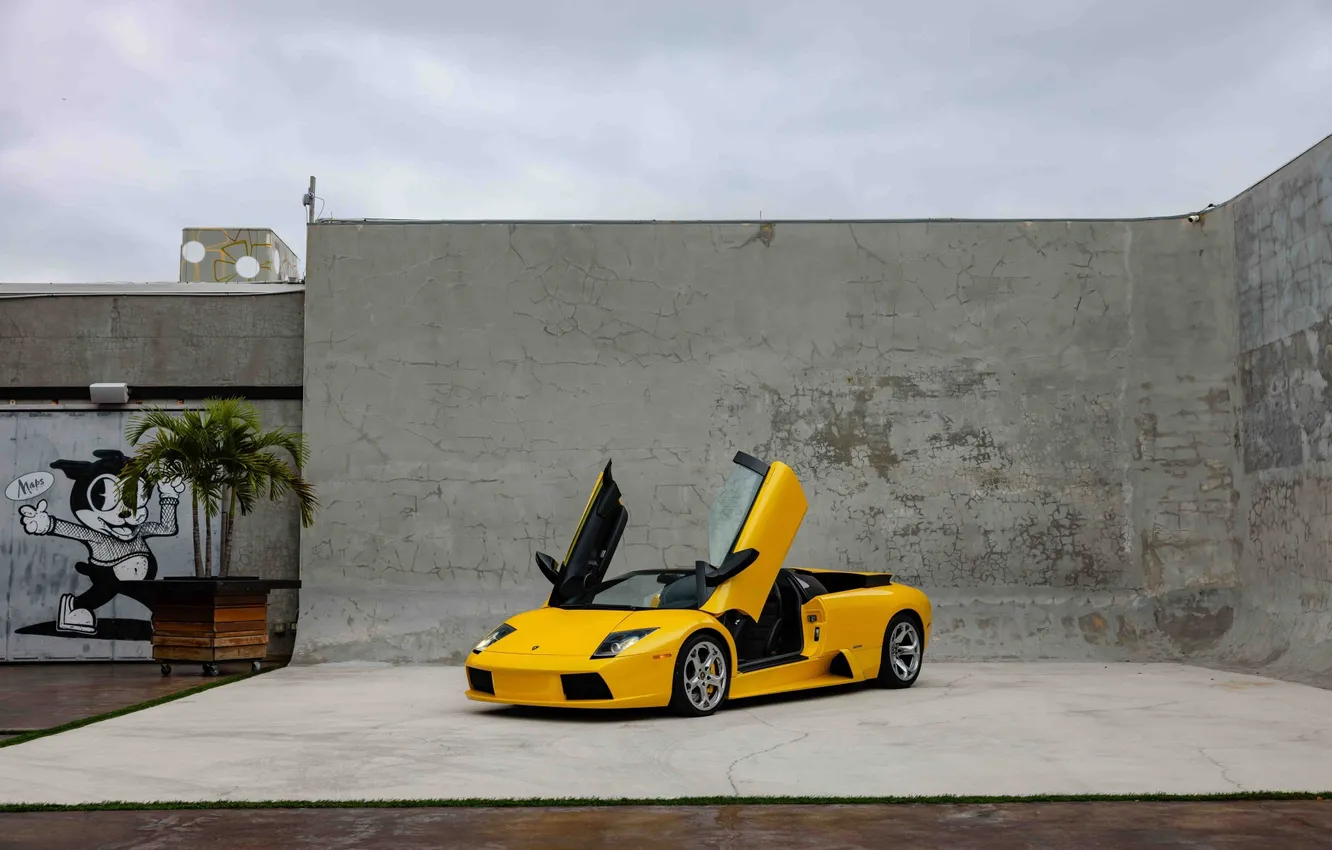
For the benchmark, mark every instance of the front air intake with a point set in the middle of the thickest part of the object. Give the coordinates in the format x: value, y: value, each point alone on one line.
x: 481, y: 680
x: 584, y: 686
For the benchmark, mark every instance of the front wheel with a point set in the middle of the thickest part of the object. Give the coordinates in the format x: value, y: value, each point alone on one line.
x: 702, y: 677
x: 903, y: 652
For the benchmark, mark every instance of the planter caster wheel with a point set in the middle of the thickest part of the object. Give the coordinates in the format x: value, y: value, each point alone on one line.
x: 211, y: 670
x: 166, y: 669
x: 256, y: 666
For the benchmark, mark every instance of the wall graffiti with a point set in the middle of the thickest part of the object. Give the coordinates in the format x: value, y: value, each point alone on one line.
x: 29, y: 486
x: 74, y: 574
x: 118, y: 556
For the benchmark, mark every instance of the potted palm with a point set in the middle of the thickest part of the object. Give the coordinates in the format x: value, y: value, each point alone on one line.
x: 228, y: 462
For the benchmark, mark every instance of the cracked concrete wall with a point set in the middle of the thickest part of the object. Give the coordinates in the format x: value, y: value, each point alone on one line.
x: 1283, y: 257
x: 1032, y: 420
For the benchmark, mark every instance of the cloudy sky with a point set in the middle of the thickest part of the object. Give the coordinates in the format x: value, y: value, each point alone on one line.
x: 123, y: 122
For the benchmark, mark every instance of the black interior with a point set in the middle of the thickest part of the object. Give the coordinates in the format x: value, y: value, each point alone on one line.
x: 838, y: 582
x: 778, y: 630
x: 682, y: 592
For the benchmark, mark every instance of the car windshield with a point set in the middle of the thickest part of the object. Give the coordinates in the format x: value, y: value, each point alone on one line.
x: 641, y: 590
x: 729, y: 510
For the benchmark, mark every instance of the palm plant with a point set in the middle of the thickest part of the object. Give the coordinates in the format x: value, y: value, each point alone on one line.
x: 225, y: 458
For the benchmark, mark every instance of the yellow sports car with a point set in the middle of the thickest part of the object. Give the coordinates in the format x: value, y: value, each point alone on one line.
x: 738, y: 625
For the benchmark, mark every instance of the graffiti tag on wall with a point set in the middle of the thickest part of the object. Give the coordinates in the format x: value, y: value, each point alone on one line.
x: 117, y: 555
x: 29, y: 486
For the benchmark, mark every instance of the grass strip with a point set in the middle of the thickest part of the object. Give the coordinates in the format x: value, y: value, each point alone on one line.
x: 130, y: 709
x: 598, y: 802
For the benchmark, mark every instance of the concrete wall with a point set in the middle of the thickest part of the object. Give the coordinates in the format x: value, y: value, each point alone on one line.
x: 189, y: 344
x: 213, y: 340
x: 1034, y: 421
x: 1283, y: 259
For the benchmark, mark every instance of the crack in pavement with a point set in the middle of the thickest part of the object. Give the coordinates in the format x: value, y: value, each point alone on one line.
x: 730, y: 770
x: 1219, y: 766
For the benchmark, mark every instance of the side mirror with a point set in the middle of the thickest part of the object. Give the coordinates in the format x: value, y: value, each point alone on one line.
x: 548, y: 567
x: 737, y: 561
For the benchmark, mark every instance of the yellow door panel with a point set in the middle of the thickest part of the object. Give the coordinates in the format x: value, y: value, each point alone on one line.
x: 770, y: 528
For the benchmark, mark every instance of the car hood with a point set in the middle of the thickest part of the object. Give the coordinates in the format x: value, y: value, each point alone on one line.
x: 559, y: 631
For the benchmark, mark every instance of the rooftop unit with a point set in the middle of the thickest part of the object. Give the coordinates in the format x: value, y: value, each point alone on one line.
x: 236, y: 255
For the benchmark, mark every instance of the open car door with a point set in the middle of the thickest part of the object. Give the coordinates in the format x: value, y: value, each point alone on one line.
x: 593, y: 544
x: 751, y: 526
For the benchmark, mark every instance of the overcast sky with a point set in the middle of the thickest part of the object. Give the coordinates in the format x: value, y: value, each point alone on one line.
x: 123, y: 122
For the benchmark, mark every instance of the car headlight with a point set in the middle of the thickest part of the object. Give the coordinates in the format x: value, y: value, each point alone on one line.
x: 490, y: 639
x: 617, y: 642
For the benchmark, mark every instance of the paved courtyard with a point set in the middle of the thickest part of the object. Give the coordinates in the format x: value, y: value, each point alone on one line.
x: 350, y: 732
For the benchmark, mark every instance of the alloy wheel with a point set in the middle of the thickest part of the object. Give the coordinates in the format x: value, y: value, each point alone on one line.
x: 704, y: 675
x: 904, y: 650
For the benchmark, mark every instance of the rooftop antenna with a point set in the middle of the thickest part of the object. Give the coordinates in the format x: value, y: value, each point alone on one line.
x: 308, y: 202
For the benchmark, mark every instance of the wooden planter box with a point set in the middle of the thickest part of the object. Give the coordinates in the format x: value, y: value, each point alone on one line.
x: 208, y: 620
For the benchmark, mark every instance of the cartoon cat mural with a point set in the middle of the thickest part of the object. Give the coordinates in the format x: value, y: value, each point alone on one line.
x: 118, y: 552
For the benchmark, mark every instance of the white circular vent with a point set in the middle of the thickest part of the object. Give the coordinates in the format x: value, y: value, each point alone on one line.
x: 247, y: 267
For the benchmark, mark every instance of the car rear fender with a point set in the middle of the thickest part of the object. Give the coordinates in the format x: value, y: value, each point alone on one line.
x: 858, y: 619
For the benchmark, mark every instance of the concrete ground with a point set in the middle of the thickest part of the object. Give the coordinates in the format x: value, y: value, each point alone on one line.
x: 378, y: 732
x: 1290, y: 825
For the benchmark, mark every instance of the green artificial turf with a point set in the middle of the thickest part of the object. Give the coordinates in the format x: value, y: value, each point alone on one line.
x: 130, y: 709
x: 577, y: 802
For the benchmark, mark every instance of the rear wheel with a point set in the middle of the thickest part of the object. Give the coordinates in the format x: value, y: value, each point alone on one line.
x: 903, y: 652
x: 702, y: 677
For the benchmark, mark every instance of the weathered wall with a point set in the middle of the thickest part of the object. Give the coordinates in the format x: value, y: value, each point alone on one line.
x: 1283, y: 259
x: 1034, y: 421
x: 199, y: 344
x: 152, y: 340
x: 37, y: 567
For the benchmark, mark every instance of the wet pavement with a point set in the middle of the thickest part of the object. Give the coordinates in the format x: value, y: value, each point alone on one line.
x: 1291, y: 825
x: 39, y: 696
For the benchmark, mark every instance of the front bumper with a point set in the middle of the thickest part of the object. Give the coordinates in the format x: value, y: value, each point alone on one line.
x: 568, y: 681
